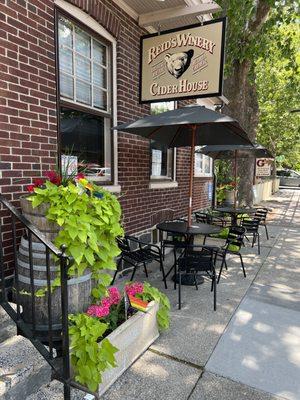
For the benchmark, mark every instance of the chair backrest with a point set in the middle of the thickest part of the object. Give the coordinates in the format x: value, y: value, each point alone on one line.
x: 202, y: 217
x: 250, y: 224
x: 235, y: 236
x: 166, y: 214
x: 261, y: 214
x: 123, y: 244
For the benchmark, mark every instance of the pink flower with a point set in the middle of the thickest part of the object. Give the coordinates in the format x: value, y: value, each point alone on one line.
x: 105, y: 302
x: 114, y: 295
x: 98, y: 311
x: 133, y: 288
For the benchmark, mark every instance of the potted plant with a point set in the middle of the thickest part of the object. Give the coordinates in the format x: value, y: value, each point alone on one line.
x: 225, y: 194
x: 86, y: 219
x: 114, y: 332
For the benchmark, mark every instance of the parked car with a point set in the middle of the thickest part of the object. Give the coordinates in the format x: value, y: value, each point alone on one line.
x: 289, y: 177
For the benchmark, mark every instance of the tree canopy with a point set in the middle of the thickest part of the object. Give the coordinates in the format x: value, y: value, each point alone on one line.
x: 278, y: 83
x: 261, y: 43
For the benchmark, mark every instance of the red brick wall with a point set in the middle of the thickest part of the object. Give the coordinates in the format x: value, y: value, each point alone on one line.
x: 28, y: 130
x: 28, y: 124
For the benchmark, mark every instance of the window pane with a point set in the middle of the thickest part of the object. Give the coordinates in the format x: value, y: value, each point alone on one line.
x: 66, y: 86
x: 99, y: 53
x: 82, y: 42
x: 100, y: 98
x: 83, y: 68
x: 66, y: 60
x: 83, y: 92
x: 65, y: 32
x: 162, y: 106
x: 82, y: 135
x: 160, y: 165
x: 99, y: 76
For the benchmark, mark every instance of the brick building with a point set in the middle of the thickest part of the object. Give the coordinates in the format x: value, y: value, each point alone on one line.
x: 69, y: 72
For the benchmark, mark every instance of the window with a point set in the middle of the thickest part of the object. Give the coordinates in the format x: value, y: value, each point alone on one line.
x: 203, y: 164
x: 162, y: 158
x: 85, y: 95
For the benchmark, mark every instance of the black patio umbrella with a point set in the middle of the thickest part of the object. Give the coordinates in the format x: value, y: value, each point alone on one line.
x: 225, y: 152
x: 189, y: 126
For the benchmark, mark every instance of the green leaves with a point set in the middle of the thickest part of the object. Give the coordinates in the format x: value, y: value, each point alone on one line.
x: 151, y: 293
x: 89, y: 225
x: 88, y: 357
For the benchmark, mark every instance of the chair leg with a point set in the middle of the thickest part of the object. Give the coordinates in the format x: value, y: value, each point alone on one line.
x: 179, y: 290
x: 253, y: 240
x: 175, y: 275
x: 117, y: 270
x: 242, y: 264
x: 133, y: 272
x: 215, y: 290
x: 223, y: 262
x: 163, y: 271
x: 204, y: 240
x: 258, y: 244
x: 145, y: 269
x: 267, y: 233
x: 115, y: 275
x: 195, y: 281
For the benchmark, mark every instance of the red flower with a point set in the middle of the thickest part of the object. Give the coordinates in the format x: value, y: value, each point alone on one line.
x: 80, y: 176
x: 30, y: 188
x: 53, y: 177
x: 38, y: 182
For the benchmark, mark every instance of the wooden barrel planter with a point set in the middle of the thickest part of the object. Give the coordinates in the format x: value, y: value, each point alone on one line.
x: 79, y: 289
x: 37, y: 216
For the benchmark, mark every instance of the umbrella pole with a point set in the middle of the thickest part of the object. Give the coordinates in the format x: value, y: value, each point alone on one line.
x: 194, y: 127
x: 235, y: 178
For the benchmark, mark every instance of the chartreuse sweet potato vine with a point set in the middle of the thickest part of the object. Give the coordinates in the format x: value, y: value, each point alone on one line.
x: 90, y: 358
x: 90, y: 223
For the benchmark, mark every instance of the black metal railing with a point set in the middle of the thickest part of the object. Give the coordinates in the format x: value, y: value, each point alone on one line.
x: 54, y: 344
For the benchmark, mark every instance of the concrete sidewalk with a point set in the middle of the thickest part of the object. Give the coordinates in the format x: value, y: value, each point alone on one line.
x: 250, y: 347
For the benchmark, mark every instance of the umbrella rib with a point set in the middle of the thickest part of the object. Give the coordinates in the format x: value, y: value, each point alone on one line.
x: 153, y: 132
x: 175, y: 136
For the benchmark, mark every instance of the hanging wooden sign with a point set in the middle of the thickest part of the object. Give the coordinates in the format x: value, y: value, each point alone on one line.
x: 183, y: 63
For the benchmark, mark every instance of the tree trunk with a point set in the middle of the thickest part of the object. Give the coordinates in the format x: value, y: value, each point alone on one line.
x: 243, y: 106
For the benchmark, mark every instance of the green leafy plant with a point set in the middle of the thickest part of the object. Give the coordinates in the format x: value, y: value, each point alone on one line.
x: 151, y: 293
x: 90, y: 220
x: 221, y: 192
x: 90, y: 358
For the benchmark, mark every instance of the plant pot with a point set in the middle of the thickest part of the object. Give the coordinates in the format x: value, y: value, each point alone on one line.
x: 132, y: 338
x: 37, y: 216
x: 79, y: 289
x: 229, y: 197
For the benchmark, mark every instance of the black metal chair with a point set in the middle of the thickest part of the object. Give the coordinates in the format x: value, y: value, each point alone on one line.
x: 261, y: 214
x: 209, y: 217
x: 171, y: 240
x: 251, y: 225
x: 195, y: 262
x: 143, y: 254
x: 234, y: 242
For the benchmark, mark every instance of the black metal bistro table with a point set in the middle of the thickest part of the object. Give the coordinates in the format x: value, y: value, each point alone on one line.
x: 182, y: 228
x: 234, y: 212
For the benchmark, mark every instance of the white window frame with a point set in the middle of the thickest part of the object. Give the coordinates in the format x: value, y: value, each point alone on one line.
x: 91, y: 23
x: 165, y: 177
x: 199, y: 172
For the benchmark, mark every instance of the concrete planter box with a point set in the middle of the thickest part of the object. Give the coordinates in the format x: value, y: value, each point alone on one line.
x: 132, y: 338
